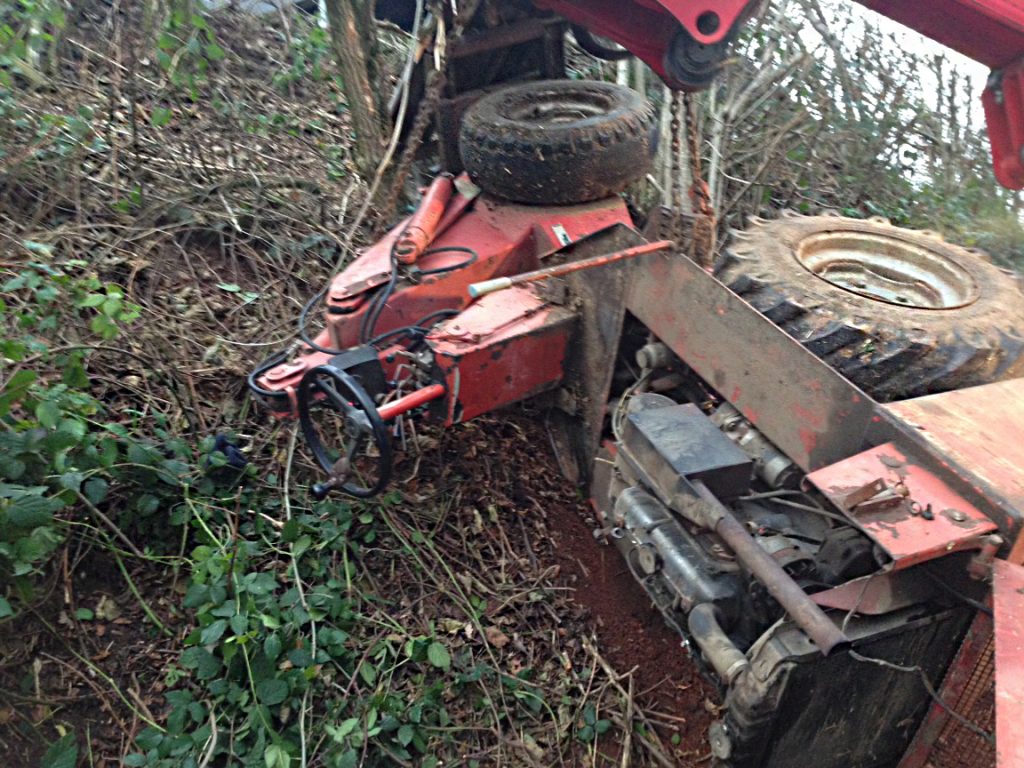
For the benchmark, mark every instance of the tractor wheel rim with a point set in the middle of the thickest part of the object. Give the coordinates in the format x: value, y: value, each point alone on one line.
x: 558, y: 108
x: 888, y: 269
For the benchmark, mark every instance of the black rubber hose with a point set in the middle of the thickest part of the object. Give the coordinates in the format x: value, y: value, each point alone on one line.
x: 589, y: 43
x: 721, y: 652
x: 262, y: 368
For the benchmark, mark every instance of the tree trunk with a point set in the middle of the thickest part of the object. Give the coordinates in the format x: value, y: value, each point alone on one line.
x: 351, y: 44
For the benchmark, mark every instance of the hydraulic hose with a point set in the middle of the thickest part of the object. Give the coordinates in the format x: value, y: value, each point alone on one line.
x: 721, y: 652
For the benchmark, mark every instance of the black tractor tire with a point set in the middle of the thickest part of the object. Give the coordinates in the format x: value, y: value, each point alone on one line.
x: 915, y: 315
x: 558, y: 142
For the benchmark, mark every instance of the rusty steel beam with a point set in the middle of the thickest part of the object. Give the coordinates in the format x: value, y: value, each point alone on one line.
x: 808, y: 410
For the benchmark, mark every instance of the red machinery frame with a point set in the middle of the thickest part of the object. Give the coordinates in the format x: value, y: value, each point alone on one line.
x: 949, y: 455
x: 518, y: 342
x: 989, y: 31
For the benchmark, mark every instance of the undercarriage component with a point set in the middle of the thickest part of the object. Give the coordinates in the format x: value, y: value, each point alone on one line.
x: 900, y: 313
x: 677, y: 453
x: 691, y: 64
x: 779, y: 584
x: 684, y: 41
x: 770, y: 464
x: 793, y: 708
x: 558, y: 142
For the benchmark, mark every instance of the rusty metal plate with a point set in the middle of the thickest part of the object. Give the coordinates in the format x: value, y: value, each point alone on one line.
x: 977, y: 432
x: 879, y: 593
x: 932, y: 520
x: 807, y: 409
x: 1008, y: 604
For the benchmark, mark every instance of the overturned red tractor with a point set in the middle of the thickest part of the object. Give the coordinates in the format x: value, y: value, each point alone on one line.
x: 809, y: 455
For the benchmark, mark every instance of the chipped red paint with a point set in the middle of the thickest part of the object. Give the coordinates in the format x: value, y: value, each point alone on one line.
x: 809, y: 438
x: 1008, y: 606
x: 977, y: 432
x: 506, y: 347
x: 908, y: 538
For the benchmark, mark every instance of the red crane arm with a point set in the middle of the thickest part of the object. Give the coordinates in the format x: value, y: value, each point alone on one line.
x: 684, y: 40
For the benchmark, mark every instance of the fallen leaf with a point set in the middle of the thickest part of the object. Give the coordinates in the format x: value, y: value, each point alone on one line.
x: 496, y: 637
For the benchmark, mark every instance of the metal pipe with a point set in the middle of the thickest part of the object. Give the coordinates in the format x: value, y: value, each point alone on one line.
x: 413, y: 400
x: 780, y: 585
x: 476, y: 290
x: 722, y: 653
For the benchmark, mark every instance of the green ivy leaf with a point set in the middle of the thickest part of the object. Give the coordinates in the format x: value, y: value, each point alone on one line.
x: 48, y: 413
x: 43, y: 249
x: 202, y: 661
x: 32, y: 511
x: 272, y: 647
x: 213, y: 632
x: 405, y: 734
x: 239, y: 623
x: 95, y: 489
x: 62, y: 753
x: 438, y: 655
x: 272, y: 692
x: 5, y: 608
x: 15, y: 389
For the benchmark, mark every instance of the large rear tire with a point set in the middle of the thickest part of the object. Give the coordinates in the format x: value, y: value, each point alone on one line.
x: 901, y: 313
x: 558, y: 142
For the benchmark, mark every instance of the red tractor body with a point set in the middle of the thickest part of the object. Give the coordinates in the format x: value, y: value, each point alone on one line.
x: 849, y: 572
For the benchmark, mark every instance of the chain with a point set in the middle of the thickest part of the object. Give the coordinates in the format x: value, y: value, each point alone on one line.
x: 705, y: 225
x: 676, y: 170
x: 676, y: 229
x: 700, y: 194
x: 425, y: 112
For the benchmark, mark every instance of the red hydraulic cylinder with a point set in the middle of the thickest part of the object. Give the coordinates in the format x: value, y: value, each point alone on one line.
x: 422, y: 227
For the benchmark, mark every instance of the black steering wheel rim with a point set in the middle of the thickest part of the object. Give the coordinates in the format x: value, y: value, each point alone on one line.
x: 347, y: 396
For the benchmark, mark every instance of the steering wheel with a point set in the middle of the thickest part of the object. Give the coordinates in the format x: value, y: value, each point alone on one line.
x: 332, y: 387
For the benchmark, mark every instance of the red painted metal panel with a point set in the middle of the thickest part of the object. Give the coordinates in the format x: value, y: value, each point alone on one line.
x: 1004, y: 113
x: 508, y: 238
x: 689, y: 11
x: 494, y: 229
x: 647, y: 27
x: 990, y: 31
x: 506, y: 347
x: 1008, y: 605
x: 904, y: 529
x: 978, y: 431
